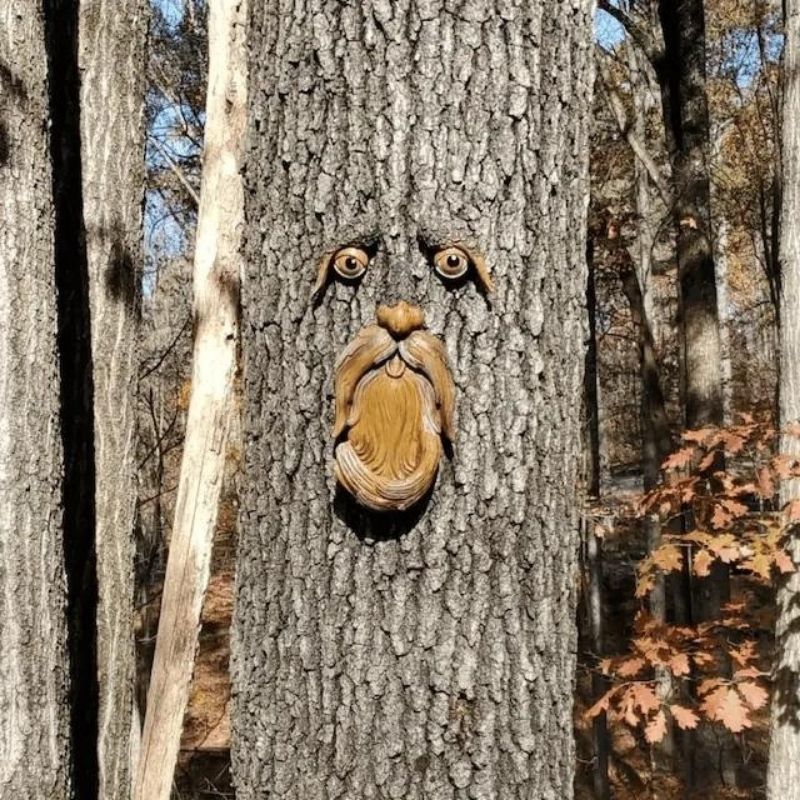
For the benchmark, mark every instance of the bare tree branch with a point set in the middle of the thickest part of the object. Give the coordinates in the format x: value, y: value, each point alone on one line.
x: 636, y: 30
x: 177, y: 170
x: 638, y: 147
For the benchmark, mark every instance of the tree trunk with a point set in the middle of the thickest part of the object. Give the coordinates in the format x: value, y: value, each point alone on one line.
x: 682, y: 76
x: 34, y: 679
x: 429, y: 653
x: 111, y: 56
x: 216, y: 317
x: 592, y: 543
x: 783, y: 775
x: 683, y: 84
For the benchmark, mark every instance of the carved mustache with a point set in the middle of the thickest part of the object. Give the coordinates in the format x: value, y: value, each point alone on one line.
x: 394, y: 401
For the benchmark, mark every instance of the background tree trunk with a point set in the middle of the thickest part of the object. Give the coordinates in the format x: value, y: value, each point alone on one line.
x: 682, y: 76
x: 783, y: 776
x: 216, y: 318
x: 430, y: 654
x: 34, y: 679
x: 111, y: 39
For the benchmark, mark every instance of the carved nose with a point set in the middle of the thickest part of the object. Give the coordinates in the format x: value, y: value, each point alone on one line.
x: 400, y: 319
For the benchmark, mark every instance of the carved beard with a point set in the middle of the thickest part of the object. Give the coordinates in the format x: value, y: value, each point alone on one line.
x: 394, y: 402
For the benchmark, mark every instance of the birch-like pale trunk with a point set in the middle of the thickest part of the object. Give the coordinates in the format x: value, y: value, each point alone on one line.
x: 34, y: 673
x: 783, y: 773
x: 112, y: 35
x: 216, y: 305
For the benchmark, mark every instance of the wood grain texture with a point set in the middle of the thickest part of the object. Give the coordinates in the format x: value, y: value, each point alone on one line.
x: 426, y: 655
x: 112, y: 36
x: 783, y: 774
x: 216, y: 321
x: 34, y: 677
x: 394, y: 403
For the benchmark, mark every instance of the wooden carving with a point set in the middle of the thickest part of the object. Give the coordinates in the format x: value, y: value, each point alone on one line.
x: 394, y: 404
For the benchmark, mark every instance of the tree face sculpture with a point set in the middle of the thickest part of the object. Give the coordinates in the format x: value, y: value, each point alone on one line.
x: 394, y: 392
x: 394, y: 402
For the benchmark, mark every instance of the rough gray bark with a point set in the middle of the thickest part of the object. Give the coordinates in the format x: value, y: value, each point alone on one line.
x: 111, y: 38
x: 34, y: 709
x: 430, y: 654
x: 783, y: 774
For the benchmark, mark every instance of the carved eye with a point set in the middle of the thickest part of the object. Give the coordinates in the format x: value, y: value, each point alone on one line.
x: 451, y: 263
x: 350, y: 262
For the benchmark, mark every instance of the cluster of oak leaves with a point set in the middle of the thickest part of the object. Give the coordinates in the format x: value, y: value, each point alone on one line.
x: 717, y: 502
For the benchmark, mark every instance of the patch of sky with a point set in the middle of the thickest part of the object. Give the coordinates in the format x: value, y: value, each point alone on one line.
x: 608, y: 32
x: 744, y: 57
x: 165, y: 236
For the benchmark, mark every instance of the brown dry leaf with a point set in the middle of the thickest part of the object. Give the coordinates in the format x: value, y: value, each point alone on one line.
x: 720, y: 518
x: 644, y: 696
x: 782, y: 464
x: 656, y: 729
x: 685, y: 718
x: 679, y: 459
x: 725, y: 705
x: 601, y: 705
x: 668, y: 558
x: 793, y: 510
x: 754, y: 695
x: 630, y: 667
x: 760, y: 564
x: 734, y: 507
x: 783, y: 561
x: 732, y: 442
x: 749, y: 672
x: 725, y: 547
x: 645, y: 581
x: 679, y: 664
x: 698, y: 436
x: 702, y: 562
x: 708, y: 685
x: 707, y: 460
x: 766, y: 487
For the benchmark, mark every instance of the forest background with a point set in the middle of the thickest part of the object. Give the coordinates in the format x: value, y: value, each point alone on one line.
x: 672, y: 690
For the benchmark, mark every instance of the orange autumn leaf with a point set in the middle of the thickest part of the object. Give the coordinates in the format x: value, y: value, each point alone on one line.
x: 656, y: 729
x: 734, y: 507
x: 724, y: 546
x: 760, y: 564
x: 644, y: 697
x: 720, y: 518
x: 630, y: 667
x: 668, y: 558
x: 783, y: 561
x: 679, y: 459
x: 708, y: 459
x: 679, y: 664
x: 754, y: 695
x: 702, y: 563
x: 766, y: 487
x: 732, y: 442
x: 725, y: 705
x: 685, y: 718
x: 697, y: 436
x: 601, y: 705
